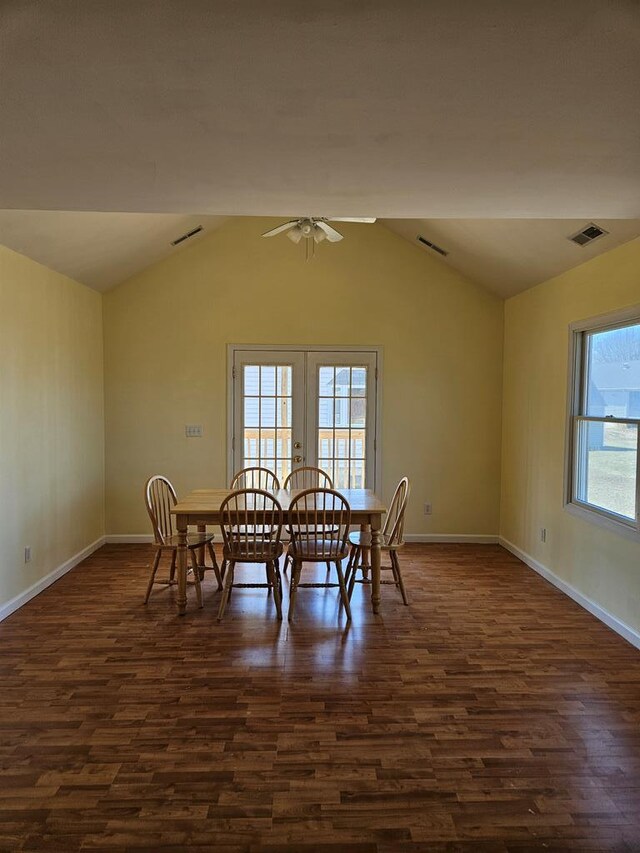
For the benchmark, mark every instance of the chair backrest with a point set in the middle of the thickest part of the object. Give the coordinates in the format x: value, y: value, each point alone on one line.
x: 256, y: 478
x: 319, y: 522
x: 251, y: 524
x: 160, y: 497
x: 394, y: 522
x: 308, y: 477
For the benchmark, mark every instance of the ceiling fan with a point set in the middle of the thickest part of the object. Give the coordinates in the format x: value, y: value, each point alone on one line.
x: 315, y: 228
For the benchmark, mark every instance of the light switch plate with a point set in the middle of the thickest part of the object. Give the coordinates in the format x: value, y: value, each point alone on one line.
x: 193, y: 430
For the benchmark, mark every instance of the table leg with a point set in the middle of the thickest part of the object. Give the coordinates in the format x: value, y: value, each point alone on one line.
x: 365, y: 554
x: 202, y: 528
x: 376, y: 552
x: 181, y: 527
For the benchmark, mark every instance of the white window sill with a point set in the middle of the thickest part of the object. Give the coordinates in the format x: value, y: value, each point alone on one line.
x: 604, y: 521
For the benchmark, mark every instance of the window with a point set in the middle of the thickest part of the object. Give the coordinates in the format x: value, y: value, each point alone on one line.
x: 604, y: 426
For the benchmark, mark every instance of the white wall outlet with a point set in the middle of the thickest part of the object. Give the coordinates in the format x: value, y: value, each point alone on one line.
x: 543, y: 534
x: 427, y: 509
x: 27, y: 554
x: 193, y: 430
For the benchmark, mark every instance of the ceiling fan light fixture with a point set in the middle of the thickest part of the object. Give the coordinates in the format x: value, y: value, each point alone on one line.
x: 295, y: 234
x: 319, y: 235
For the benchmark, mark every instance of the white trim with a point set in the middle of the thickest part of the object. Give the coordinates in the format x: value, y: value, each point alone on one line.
x: 40, y: 585
x: 139, y: 538
x: 625, y: 631
x: 128, y: 538
x: 469, y: 538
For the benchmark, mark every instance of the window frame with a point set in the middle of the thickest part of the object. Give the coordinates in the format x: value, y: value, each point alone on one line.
x: 576, y: 397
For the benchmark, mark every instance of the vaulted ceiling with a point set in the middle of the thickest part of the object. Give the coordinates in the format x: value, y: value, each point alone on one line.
x: 438, y: 112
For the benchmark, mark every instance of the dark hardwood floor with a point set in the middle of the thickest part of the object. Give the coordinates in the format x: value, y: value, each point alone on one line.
x: 493, y: 714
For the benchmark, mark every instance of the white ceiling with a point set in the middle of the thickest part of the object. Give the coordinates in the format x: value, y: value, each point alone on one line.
x: 410, y: 108
x: 98, y: 249
x: 508, y: 256
x: 104, y: 249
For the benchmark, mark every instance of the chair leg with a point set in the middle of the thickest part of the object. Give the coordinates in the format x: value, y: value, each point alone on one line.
x: 214, y: 563
x: 228, y: 581
x: 352, y: 581
x: 271, y: 575
x: 293, y: 586
x: 347, y: 572
x: 343, y: 591
x: 156, y: 563
x: 196, y: 576
x: 395, y: 562
x: 172, y: 570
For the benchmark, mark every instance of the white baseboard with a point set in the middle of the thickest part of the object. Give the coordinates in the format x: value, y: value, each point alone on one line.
x: 626, y: 631
x: 15, y: 603
x: 452, y: 538
x: 138, y: 538
x: 128, y: 538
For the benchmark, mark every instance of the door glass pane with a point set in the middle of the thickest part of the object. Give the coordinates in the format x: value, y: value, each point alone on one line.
x: 267, y: 410
x: 613, y: 373
x: 606, y: 463
x: 341, y: 428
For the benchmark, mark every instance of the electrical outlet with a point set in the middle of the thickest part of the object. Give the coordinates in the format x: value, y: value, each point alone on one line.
x: 27, y: 554
x: 193, y: 430
x: 543, y: 534
x: 427, y: 509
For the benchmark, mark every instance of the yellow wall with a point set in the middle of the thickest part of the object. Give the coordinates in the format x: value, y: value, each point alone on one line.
x: 601, y: 565
x: 166, y: 332
x: 51, y: 420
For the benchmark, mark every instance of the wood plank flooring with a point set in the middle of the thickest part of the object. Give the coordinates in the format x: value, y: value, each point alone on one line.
x: 491, y: 715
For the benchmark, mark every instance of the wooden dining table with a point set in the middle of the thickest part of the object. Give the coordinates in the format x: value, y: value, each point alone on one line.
x: 202, y: 508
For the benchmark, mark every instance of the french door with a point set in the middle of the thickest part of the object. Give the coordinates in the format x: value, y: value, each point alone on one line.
x: 305, y: 407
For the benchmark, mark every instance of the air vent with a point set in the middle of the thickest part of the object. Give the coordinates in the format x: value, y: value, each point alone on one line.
x: 588, y: 234
x: 431, y: 245
x: 186, y: 236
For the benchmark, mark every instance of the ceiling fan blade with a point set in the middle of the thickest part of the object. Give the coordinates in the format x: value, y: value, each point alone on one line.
x: 280, y: 228
x: 368, y: 219
x: 295, y: 234
x: 332, y: 235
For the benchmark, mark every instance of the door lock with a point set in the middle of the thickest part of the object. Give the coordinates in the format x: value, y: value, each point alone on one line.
x: 297, y: 445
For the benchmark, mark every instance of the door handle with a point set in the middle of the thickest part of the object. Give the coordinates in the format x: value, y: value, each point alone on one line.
x: 297, y: 458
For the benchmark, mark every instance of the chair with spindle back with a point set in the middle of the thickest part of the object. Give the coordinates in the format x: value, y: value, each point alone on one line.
x: 306, y: 477
x: 319, y: 525
x: 160, y: 498
x: 251, y: 524
x: 255, y: 478
x: 392, y: 541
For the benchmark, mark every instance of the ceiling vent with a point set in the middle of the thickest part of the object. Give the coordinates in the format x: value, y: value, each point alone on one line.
x: 186, y: 236
x: 431, y: 245
x: 588, y: 234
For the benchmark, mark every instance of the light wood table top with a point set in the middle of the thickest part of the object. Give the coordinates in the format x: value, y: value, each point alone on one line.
x: 361, y: 501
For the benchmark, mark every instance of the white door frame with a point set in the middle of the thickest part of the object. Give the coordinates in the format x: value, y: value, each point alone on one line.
x: 333, y: 348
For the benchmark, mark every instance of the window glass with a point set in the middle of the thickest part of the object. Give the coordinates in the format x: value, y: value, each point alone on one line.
x: 613, y: 373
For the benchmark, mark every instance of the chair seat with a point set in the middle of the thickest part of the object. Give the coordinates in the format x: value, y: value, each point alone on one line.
x: 263, y: 551
x: 317, y: 549
x: 363, y: 540
x: 194, y: 540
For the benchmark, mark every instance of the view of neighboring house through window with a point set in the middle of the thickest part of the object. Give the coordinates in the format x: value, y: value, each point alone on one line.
x: 293, y: 407
x: 606, y: 421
